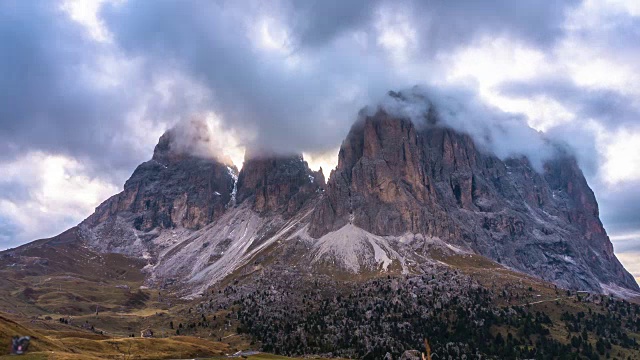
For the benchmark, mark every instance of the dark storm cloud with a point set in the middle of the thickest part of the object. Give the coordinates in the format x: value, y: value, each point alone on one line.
x: 443, y: 24
x: 447, y: 24
x: 611, y: 108
x: 7, y: 233
x: 56, y: 96
x: 47, y: 99
x: 620, y: 208
x: 295, y: 109
x: 319, y: 22
x: 51, y: 101
x: 253, y: 92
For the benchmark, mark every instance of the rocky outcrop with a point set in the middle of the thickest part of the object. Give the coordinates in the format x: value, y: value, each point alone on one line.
x: 278, y: 184
x: 395, y: 178
x: 173, y: 189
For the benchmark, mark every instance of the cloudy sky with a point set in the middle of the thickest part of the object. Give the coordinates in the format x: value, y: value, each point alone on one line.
x: 87, y: 87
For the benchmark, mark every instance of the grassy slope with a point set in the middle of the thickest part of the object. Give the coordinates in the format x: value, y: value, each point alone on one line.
x: 50, y: 281
x: 67, y: 343
x: 537, y: 294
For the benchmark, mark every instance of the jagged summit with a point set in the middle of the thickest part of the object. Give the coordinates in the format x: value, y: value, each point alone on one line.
x: 174, y: 189
x: 187, y: 141
x: 281, y: 184
x: 393, y: 178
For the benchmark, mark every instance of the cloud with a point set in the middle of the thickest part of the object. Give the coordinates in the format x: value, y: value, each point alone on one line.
x: 50, y: 192
x: 62, y: 91
x: 450, y: 24
x: 202, y: 135
x: 442, y: 24
x: 610, y: 107
x: 269, y: 101
x: 8, y: 233
x: 629, y: 243
x: 318, y: 22
x: 48, y: 95
x: 503, y: 134
x: 631, y: 262
x: 620, y: 206
x: 292, y: 74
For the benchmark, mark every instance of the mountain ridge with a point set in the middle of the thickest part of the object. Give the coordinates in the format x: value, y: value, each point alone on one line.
x: 399, y: 192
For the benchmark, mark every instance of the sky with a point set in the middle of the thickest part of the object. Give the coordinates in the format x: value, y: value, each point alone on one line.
x: 88, y: 86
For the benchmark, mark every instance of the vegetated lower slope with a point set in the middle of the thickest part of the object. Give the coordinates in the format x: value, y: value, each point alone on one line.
x: 465, y: 305
x: 282, y: 302
x: 61, y: 275
x: 59, y: 341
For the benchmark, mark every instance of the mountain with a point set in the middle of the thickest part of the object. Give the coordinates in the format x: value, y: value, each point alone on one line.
x: 399, y: 192
x: 418, y: 233
x: 393, y: 178
x: 172, y: 190
x: 278, y: 184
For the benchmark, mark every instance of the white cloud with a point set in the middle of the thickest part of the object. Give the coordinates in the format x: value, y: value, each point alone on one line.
x: 631, y: 262
x: 396, y: 34
x: 85, y: 12
x: 494, y: 61
x: 327, y: 161
x: 586, y: 54
x: 268, y: 34
x: 622, y: 156
x: 205, y: 135
x: 58, y: 193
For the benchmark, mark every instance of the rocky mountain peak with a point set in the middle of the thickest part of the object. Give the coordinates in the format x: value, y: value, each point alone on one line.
x: 187, y: 141
x: 278, y: 183
x: 394, y: 177
x: 174, y: 189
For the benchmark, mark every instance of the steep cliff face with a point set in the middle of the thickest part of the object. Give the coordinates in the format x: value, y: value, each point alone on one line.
x: 278, y: 184
x: 394, y: 178
x: 172, y: 190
